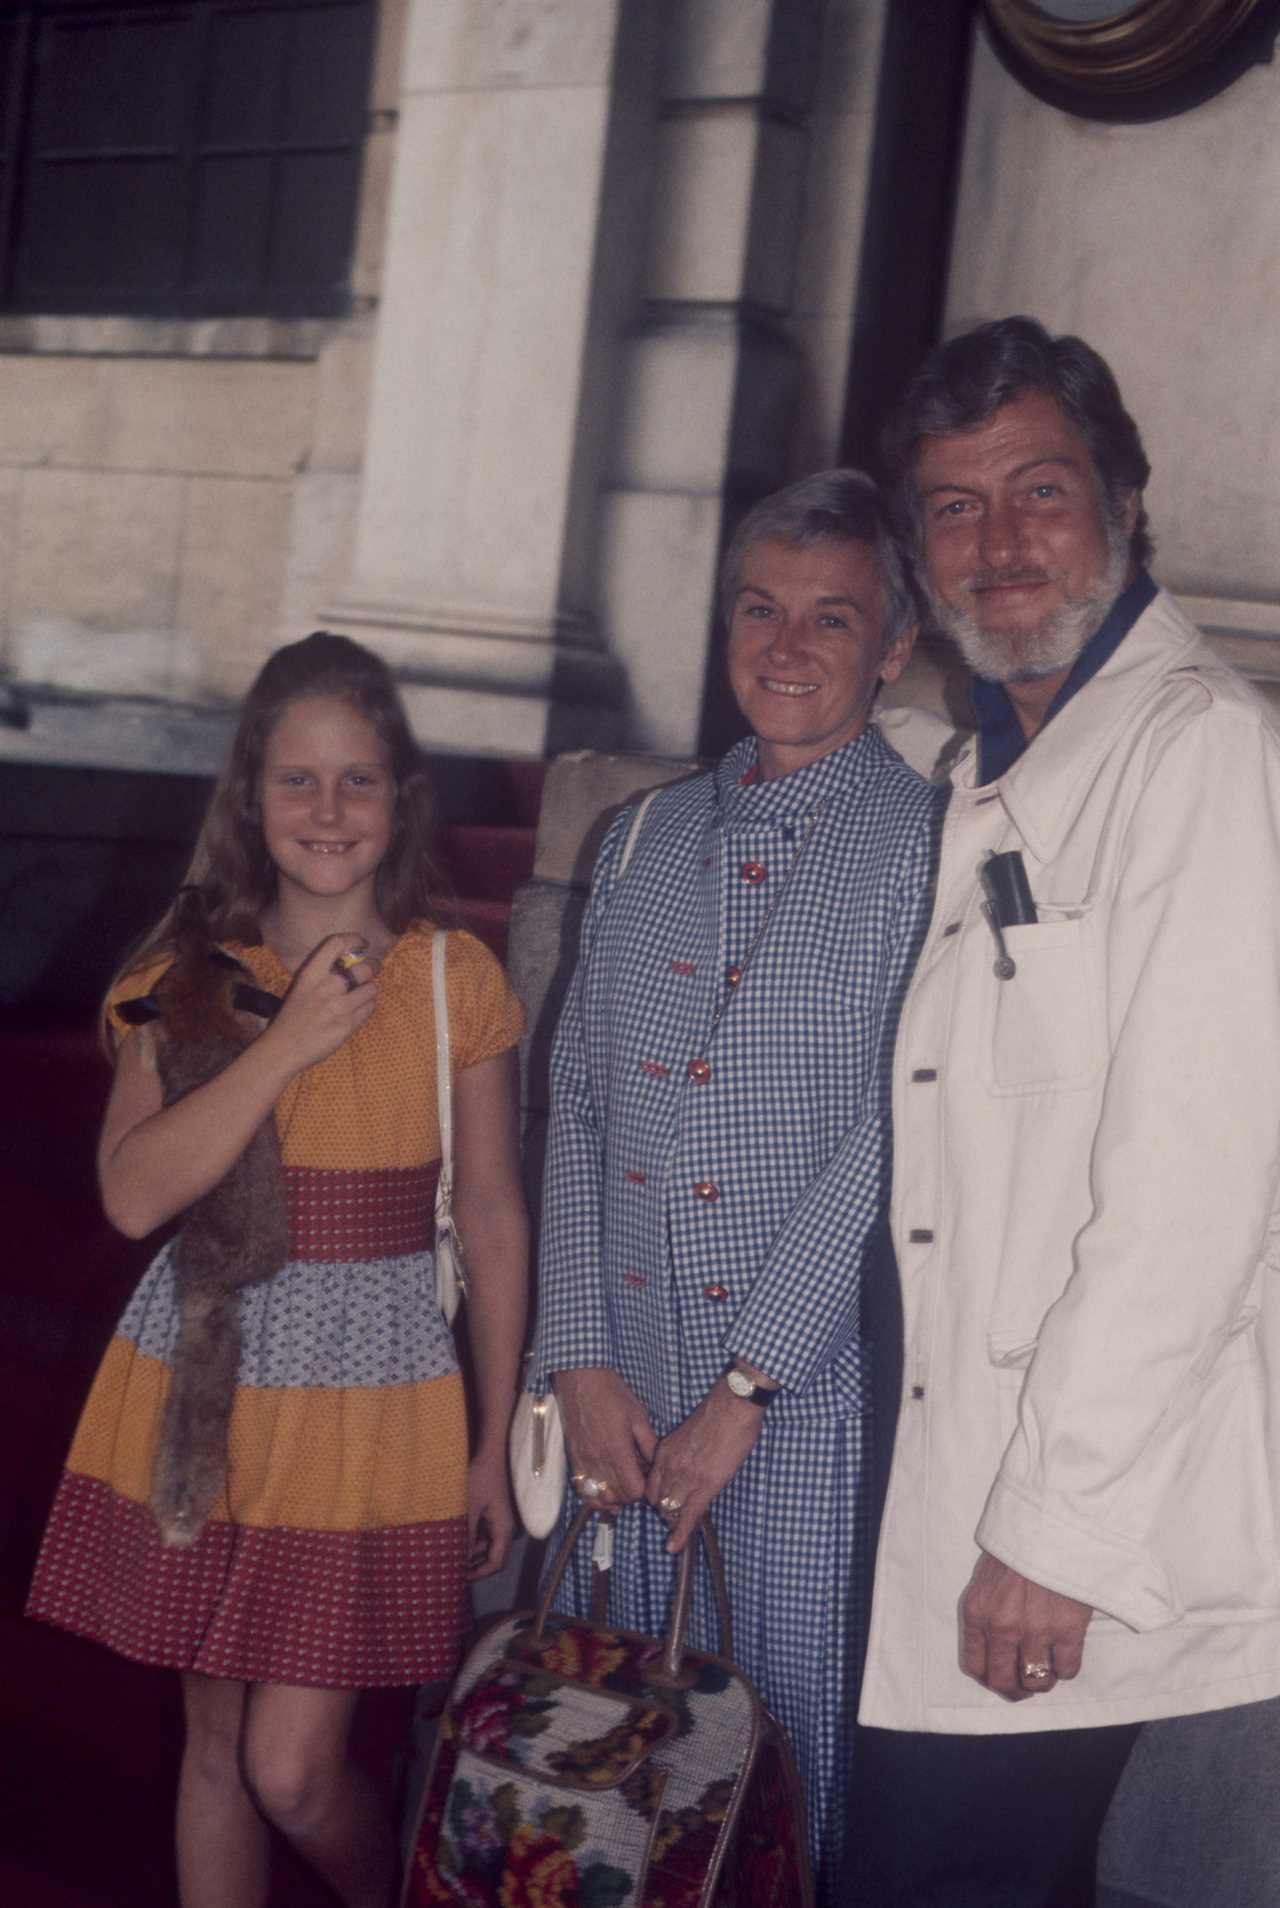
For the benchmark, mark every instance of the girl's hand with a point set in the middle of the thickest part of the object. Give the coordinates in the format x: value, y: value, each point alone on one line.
x: 491, y: 1517
x: 325, y: 1005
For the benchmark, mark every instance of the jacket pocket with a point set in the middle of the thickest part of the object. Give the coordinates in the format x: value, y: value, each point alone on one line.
x: 1009, y: 1357
x: 1046, y: 1030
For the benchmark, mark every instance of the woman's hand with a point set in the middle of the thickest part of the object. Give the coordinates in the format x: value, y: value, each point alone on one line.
x: 330, y: 997
x: 607, y: 1432
x: 699, y: 1458
x: 491, y: 1517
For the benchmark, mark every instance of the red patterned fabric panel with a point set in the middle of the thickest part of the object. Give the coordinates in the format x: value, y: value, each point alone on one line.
x: 329, y: 1610
x: 379, y: 1213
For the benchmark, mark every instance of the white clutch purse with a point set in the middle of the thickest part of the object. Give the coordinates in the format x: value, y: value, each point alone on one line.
x: 451, y: 1271
x: 536, y: 1450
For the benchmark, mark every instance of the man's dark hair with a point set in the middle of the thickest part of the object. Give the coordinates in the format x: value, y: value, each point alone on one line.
x: 831, y: 506
x: 964, y: 381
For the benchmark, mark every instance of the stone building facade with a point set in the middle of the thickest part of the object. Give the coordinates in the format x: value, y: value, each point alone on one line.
x: 607, y: 283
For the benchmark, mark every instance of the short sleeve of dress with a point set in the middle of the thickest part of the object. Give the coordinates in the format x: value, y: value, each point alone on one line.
x: 129, y: 987
x: 485, y: 1015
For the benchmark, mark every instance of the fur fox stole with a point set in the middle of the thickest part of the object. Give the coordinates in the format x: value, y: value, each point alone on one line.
x: 206, y: 1009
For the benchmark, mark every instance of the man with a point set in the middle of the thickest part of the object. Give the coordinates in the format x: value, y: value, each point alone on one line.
x: 1087, y: 1131
x: 718, y: 1148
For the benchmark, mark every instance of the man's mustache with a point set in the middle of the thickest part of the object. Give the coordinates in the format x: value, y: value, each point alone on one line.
x: 1006, y: 579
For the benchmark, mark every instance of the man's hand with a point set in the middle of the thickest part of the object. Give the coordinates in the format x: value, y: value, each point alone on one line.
x: 1011, y: 1628
x: 699, y: 1457
x: 607, y: 1432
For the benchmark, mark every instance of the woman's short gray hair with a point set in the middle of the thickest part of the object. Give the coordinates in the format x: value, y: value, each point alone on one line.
x: 832, y: 506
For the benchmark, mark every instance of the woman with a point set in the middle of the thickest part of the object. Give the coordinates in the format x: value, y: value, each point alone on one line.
x: 718, y: 1152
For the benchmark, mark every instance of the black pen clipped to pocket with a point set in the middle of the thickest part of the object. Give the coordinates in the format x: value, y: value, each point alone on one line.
x: 1009, y: 903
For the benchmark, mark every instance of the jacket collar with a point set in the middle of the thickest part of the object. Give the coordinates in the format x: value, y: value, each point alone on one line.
x: 1046, y: 787
x: 744, y: 800
x: 1000, y: 737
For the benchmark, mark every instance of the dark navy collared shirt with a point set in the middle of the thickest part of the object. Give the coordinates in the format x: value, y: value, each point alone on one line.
x: 1000, y: 737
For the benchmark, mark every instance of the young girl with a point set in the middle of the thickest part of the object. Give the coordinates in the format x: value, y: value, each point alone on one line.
x: 335, y: 1556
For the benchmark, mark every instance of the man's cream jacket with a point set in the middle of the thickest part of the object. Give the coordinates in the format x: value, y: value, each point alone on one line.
x: 1085, y: 1211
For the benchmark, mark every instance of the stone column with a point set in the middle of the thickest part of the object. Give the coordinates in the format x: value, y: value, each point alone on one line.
x: 502, y: 292
x: 734, y: 378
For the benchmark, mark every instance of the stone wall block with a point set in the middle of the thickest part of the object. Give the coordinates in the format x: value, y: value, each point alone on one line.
x: 582, y: 793
x: 233, y: 559
x: 717, y: 49
x: 388, y: 55
x: 321, y: 535
x: 744, y: 49
x: 376, y: 174
x: 771, y: 377
x: 659, y: 556
x: 99, y: 552
x: 342, y: 401
x: 510, y: 43
x: 777, y: 203
x: 44, y: 403
x: 703, y: 189
x: 677, y: 406
x: 546, y: 921
x: 10, y: 492
x: 205, y: 416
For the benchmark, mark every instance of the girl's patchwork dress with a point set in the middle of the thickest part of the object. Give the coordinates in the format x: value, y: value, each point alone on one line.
x: 335, y: 1556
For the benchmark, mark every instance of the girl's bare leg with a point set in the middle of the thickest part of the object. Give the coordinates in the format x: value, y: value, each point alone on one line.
x: 223, y: 1843
x: 295, y: 1763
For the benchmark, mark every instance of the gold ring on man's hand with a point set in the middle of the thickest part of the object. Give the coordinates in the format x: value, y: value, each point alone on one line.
x: 1036, y: 1672
x: 589, y: 1487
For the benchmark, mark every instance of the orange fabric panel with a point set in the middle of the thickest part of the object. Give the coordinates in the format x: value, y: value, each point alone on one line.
x: 314, y: 1459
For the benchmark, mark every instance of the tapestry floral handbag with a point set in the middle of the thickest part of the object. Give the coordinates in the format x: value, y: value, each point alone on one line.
x: 579, y: 1766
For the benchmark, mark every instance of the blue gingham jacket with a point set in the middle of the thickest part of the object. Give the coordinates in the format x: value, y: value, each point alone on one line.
x: 711, y: 1185
x: 709, y: 1191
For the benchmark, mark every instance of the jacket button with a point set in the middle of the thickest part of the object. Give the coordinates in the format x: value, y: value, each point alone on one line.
x: 699, y: 1070
x: 705, y: 1189
x: 715, y: 1291
x: 917, y: 1391
x: 753, y: 873
x: 924, y: 1073
x: 734, y: 975
x: 920, y: 1235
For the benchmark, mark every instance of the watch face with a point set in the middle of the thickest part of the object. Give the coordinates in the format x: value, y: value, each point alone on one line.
x: 739, y: 1383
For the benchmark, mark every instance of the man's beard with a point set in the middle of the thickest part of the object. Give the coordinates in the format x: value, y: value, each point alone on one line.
x: 1055, y: 642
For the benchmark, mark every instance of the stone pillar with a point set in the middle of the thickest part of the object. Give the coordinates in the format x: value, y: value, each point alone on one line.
x: 503, y: 289
x: 734, y: 379
x: 1157, y: 244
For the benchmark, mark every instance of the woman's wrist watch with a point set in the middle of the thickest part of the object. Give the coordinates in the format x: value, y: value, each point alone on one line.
x: 743, y: 1387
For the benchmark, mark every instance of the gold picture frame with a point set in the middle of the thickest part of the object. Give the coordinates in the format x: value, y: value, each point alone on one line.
x: 1141, y: 60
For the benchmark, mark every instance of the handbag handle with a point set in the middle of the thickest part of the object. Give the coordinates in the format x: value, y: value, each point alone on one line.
x: 673, y: 1644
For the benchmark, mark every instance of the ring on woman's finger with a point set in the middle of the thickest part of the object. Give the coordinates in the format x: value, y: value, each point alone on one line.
x: 670, y: 1506
x: 589, y: 1487
x: 1036, y: 1672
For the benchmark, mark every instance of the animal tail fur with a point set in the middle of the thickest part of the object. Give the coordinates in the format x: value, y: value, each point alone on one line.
x: 190, y: 1460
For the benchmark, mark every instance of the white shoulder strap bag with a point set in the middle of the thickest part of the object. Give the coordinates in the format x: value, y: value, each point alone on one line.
x: 451, y: 1271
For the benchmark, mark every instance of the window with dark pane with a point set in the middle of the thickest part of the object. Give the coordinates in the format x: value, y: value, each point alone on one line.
x: 181, y: 159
